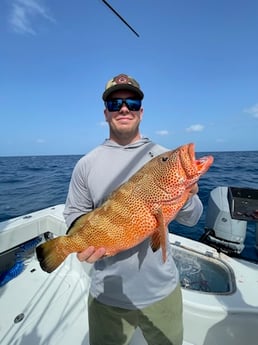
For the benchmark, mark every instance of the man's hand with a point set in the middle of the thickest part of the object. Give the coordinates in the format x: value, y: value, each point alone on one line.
x: 91, y: 254
x: 194, y: 190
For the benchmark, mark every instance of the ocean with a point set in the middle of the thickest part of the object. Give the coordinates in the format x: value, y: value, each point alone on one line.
x: 31, y: 183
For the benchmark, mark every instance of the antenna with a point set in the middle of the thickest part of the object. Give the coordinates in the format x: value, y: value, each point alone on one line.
x: 120, y: 17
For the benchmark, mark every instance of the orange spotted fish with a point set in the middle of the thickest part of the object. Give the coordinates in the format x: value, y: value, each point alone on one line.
x: 140, y: 208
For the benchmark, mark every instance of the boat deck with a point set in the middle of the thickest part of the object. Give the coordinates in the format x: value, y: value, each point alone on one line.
x: 220, y: 293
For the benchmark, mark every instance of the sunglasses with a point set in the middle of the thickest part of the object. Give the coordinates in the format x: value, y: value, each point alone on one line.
x: 116, y: 104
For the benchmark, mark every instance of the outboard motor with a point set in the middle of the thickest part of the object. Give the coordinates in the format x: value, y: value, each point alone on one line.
x: 221, y: 231
x: 229, y: 209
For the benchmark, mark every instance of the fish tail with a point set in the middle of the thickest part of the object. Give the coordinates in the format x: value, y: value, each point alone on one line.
x: 52, y: 253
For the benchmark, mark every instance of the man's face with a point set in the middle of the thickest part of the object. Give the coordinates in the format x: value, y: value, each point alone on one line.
x: 123, y: 122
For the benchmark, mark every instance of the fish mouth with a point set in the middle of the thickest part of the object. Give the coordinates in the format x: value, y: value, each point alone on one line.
x: 203, y: 163
x: 192, y: 166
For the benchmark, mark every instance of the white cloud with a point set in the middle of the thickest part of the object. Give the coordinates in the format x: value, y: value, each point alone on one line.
x: 102, y: 124
x: 253, y: 111
x: 40, y: 141
x: 23, y: 14
x: 195, y: 128
x: 162, y: 132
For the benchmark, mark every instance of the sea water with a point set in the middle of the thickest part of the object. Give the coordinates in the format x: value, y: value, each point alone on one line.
x: 31, y: 183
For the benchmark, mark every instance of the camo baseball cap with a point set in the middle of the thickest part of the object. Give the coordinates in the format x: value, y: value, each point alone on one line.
x: 122, y: 82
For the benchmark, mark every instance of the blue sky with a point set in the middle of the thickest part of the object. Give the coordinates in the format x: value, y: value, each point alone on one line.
x: 196, y: 61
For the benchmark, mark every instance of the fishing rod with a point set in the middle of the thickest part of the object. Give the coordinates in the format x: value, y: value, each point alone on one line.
x: 120, y: 17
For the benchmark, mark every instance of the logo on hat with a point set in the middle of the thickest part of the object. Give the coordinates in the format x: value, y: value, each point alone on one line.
x: 122, y: 79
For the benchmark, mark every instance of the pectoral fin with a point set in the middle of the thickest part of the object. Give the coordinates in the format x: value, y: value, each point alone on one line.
x: 159, y: 237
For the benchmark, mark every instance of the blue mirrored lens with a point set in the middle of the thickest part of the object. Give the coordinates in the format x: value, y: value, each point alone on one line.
x: 116, y: 104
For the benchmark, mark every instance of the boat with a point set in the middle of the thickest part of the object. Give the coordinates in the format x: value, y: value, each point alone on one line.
x: 220, y: 288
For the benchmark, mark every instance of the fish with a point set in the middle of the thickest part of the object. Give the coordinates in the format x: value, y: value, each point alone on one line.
x: 140, y: 208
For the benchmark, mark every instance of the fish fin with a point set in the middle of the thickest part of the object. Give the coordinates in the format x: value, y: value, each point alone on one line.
x: 51, y: 254
x: 159, y: 237
x: 155, y: 241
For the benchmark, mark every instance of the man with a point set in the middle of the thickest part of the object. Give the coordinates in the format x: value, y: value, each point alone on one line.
x: 133, y: 288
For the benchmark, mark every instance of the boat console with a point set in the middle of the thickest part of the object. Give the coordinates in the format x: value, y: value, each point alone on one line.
x: 229, y: 211
x: 243, y: 203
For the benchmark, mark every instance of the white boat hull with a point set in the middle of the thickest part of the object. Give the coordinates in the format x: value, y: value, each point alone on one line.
x: 40, y: 308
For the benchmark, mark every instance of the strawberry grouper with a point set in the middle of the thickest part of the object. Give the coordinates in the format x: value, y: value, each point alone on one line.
x: 142, y: 207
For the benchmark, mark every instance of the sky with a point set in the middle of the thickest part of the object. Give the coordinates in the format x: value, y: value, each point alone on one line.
x: 196, y: 61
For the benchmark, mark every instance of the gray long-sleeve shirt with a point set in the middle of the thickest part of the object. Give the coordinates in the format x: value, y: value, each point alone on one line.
x: 136, y: 277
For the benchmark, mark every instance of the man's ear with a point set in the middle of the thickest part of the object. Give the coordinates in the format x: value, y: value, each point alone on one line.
x: 106, y: 114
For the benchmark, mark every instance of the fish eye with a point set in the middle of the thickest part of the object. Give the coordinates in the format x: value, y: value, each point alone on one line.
x: 164, y: 159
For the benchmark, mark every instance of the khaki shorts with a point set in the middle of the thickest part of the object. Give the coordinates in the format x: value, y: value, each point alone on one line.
x: 161, y: 323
